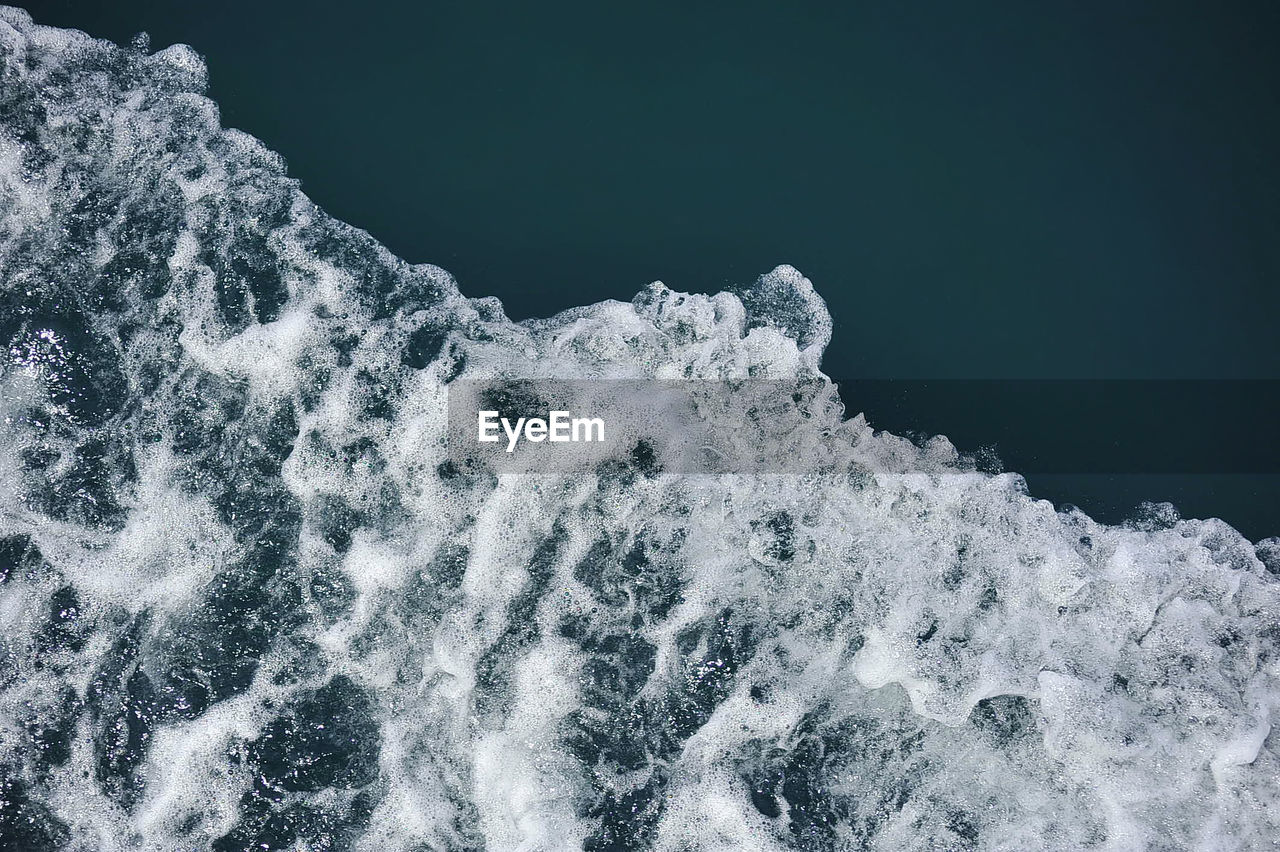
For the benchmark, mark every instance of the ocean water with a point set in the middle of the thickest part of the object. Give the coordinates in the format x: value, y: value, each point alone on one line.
x: 249, y: 601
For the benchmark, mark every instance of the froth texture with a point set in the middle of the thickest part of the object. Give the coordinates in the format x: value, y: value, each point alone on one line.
x: 247, y: 602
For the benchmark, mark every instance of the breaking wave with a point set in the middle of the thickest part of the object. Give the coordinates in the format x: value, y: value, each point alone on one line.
x: 248, y: 603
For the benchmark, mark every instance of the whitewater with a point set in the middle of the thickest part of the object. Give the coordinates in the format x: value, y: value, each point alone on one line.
x: 248, y: 600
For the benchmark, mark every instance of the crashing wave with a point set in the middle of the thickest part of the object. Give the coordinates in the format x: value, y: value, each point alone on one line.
x: 249, y: 603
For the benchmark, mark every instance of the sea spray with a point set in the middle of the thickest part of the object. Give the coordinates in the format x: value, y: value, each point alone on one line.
x: 249, y: 601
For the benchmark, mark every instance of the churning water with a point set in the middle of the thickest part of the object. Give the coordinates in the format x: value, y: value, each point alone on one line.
x: 248, y: 602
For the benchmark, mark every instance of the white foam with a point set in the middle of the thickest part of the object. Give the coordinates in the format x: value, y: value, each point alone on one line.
x: 887, y: 650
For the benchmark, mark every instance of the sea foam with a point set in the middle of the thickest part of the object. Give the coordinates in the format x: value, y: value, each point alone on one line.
x: 248, y: 602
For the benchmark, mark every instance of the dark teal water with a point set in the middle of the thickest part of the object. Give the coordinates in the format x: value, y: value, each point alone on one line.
x: 990, y: 190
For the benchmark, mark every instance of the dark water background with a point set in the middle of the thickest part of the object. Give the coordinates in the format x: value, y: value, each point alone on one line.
x: 980, y: 191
